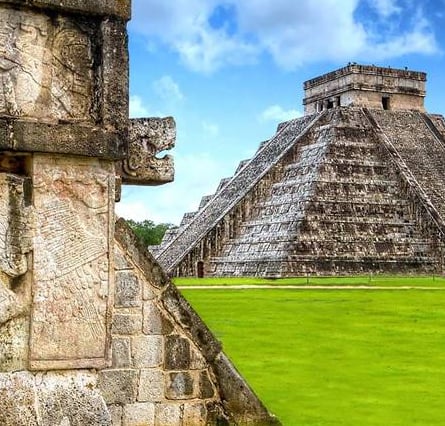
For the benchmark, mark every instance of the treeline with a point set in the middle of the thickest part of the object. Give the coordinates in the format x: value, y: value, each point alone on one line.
x: 149, y: 232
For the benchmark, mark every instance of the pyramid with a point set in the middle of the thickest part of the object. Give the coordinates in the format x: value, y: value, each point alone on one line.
x: 354, y: 186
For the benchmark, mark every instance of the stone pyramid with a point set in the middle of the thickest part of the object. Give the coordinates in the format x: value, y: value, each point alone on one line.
x: 355, y: 186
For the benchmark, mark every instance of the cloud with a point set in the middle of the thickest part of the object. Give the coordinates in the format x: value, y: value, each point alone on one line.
x: 210, y: 50
x: 307, y: 33
x: 385, y: 8
x: 137, y: 108
x: 211, y: 34
x: 168, y: 89
x: 419, y: 39
x: 277, y: 113
x: 184, y: 26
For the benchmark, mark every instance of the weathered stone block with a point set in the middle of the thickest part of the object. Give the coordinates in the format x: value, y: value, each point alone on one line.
x: 5, y: 141
x: 58, y: 138
x: 139, y: 414
x: 180, y: 385
x: 205, y: 386
x: 116, y: 413
x: 119, y: 8
x: 155, y: 321
x: 70, y: 398
x: 126, y: 324
x: 177, y: 353
x: 147, y: 351
x: 197, y: 361
x: 217, y: 416
x: 118, y: 386
x: 116, y: 76
x: 14, y: 338
x: 168, y: 414
x: 120, y: 262
x: 128, y: 291
x: 121, y: 353
x: 151, y: 386
x: 18, y: 399
x: 195, y: 414
x: 148, y: 291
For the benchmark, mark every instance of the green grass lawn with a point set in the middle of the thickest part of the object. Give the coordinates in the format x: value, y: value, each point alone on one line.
x: 338, y: 358
x: 372, y: 280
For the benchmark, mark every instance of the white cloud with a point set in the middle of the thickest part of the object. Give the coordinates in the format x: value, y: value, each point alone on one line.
x: 168, y: 89
x: 385, y: 8
x: 277, y: 113
x: 209, y: 50
x: 292, y: 33
x: 419, y: 39
x: 137, y: 108
x: 184, y: 26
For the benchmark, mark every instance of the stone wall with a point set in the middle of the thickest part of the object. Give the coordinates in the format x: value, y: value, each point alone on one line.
x: 367, y: 86
x: 167, y: 367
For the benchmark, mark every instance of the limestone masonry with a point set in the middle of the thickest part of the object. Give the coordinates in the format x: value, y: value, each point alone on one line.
x: 92, y: 332
x: 354, y: 186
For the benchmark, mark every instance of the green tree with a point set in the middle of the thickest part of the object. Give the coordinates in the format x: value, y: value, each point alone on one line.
x: 149, y: 232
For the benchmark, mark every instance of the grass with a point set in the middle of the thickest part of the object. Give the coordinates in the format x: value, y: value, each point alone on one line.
x: 373, y: 280
x: 342, y: 358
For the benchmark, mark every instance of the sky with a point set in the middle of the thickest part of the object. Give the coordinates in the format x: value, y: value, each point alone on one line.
x: 229, y: 71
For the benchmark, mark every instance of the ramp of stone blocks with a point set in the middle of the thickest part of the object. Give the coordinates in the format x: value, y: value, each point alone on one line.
x: 414, y: 142
x: 166, y: 363
x: 187, y: 217
x: 234, y: 190
x: 336, y: 192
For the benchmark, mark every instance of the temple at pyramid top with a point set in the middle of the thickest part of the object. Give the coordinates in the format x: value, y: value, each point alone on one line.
x: 365, y: 86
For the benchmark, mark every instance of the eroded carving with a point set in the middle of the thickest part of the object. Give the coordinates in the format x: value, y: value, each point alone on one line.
x: 72, y: 73
x: 23, y: 39
x: 71, y: 264
x: 149, y: 137
x: 15, y: 243
x: 45, y: 67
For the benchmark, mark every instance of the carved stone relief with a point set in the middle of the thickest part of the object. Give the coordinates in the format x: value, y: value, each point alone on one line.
x: 71, y: 73
x: 45, y: 67
x: 149, y: 137
x: 15, y: 243
x: 23, y: 51
x: 71, y: 263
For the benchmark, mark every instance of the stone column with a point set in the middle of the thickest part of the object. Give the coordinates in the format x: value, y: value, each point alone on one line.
x: 63, y: 127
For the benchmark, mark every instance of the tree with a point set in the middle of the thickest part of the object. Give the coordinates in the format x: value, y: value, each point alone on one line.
x: 150, y: 233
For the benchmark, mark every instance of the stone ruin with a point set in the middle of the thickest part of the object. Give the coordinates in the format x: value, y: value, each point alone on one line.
x: 92, y: 332
x: 353, y: 187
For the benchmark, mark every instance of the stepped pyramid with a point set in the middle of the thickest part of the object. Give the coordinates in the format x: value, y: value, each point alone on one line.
x: 354, y: 186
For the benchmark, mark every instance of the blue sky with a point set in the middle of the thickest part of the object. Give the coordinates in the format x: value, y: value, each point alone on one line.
x: 230, y: 70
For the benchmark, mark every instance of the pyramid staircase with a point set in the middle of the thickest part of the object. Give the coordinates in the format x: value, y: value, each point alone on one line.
x: 354, y: 191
